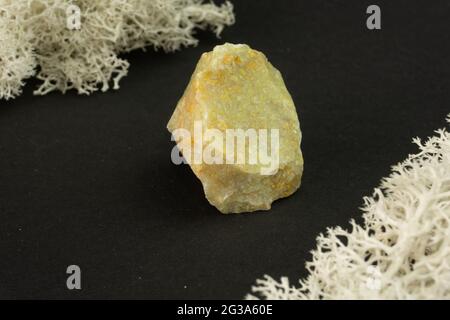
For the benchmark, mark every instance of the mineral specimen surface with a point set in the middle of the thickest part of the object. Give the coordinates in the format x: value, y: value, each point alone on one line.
x: 237, y: 127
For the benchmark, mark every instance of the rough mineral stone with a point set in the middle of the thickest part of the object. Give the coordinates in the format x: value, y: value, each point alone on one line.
x: 235, y: 87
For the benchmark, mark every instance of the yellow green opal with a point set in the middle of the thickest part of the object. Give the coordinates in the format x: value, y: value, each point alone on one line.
x: 236, y: 87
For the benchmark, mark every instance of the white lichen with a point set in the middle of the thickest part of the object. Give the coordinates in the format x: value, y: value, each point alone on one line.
x: 87, y: 59
x: 17, y: 60
x: 402, y: 249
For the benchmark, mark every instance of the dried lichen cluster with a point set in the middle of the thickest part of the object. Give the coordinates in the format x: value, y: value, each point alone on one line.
x: 402, y: 251
x: 35, y: 33
x: 17, y: 60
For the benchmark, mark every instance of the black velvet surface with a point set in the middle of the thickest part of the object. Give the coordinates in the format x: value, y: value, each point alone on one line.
x: 88, y: 180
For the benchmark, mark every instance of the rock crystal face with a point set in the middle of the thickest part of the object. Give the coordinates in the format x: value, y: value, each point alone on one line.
x: 237, y: 127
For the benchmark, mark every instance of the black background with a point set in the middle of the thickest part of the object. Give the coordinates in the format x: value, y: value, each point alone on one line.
x: 88, y: 180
